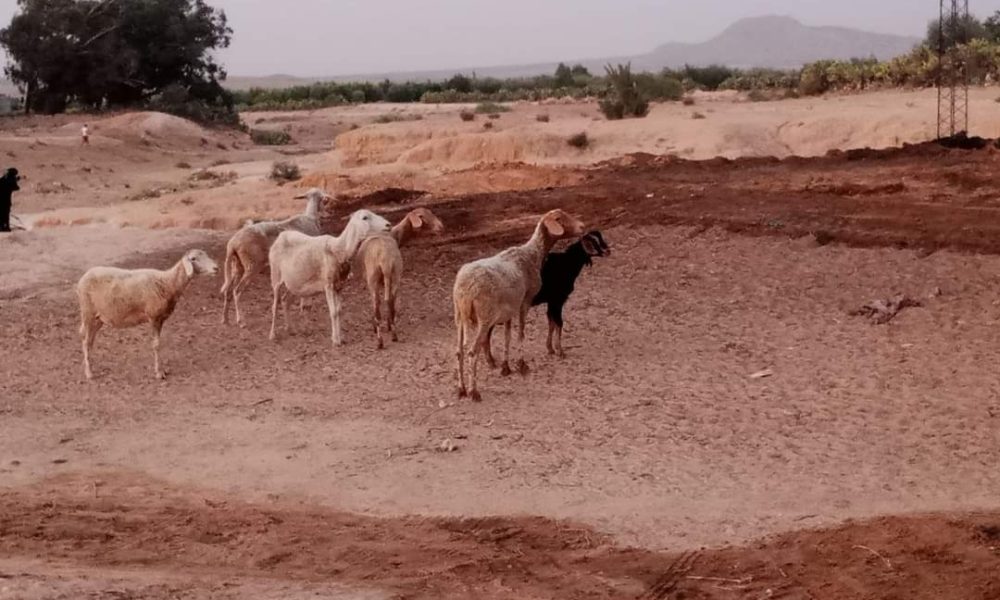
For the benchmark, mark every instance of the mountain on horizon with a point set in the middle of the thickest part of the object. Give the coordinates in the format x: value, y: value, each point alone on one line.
x: 777, y: 42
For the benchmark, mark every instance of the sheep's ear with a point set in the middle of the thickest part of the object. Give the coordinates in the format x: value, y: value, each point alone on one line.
x: 416, y: 220
x: 188, y: 265
x: 553, y: 225
x: 588, y: 245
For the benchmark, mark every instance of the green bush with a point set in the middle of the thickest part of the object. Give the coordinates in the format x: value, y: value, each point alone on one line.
x: 285, y: 171
x: 623, y: 98
x: 491, y: 108
x: 396, y: 117
x: 467, y: 115
x: 708, y: 78
x: 579, y: 140
x: 269, y: 137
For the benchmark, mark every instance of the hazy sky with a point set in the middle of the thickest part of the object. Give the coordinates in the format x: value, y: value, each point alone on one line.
x: 339, y: 37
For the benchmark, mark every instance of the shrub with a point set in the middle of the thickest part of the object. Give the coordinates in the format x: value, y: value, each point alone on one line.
x: 270, y: 137
x: 488, y: 125
x: 814, y: 80
x: 688, y: 101
x: 396, y: 117
x: 493, y: 116
x: 183, y: 165
x: 543, y: 118
x: 491, y: 108
x: 710, y: 77
x: 697, y: 116
x: 757, y: 96
x: 285, y: 171
x: 467, y: 115
x: 659, y: 87
x: 579, y: 140
x: 214, y: 107
x: 623, y: 98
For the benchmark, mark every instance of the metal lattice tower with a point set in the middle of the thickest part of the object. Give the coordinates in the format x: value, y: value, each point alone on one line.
x: 953, y: 72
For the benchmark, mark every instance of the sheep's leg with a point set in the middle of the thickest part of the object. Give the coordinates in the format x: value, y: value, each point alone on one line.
x: 556, y: 319
x: 227, y: 287
x: 488, y: 349
x: 274, y: 309
x: 460, y: 354
x: 333, y: 304
x: 89, y: 330
x: 390, y: 301
x: 241, y: 285
x: 377, y: 312
x: 481, y: 335
x: 157, y: 371
x: 555, y: 327
x: 505, y: 369
x: 522, y: 366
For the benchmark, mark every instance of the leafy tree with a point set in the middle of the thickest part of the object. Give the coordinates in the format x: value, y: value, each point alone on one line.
x: 955, y: 31
x: 563, y: 76
x: 579, y: 70
x: 623, y: 97
x: 116, y: 52
x: 459, y: 83
x: 991, y: 27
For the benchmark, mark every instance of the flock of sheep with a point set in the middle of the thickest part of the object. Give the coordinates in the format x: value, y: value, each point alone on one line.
x: 488, y: 293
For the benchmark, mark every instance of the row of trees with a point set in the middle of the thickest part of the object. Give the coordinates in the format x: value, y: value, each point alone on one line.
x: 119, y: 53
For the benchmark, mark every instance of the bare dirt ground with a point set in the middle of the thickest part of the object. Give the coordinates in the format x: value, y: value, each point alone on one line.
x: 646, y: 464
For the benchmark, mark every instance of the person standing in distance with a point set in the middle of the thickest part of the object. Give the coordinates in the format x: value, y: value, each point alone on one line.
x: 85, y: 134
x: 8, y: 185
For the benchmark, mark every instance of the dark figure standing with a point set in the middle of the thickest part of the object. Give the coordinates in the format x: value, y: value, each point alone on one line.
x: 8, y: 185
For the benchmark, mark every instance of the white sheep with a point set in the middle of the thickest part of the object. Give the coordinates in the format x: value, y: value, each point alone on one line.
x: 496, y: 290
x: 382, y: 264
x: 129, y: 297
x: 303, y: 266
x: 246, y: 251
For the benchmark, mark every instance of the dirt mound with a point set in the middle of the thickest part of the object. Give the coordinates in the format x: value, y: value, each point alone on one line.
x: 114, y: 521
x: 449, y: 147
x: 151, y: 129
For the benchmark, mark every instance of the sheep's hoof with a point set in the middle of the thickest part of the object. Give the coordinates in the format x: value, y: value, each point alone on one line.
x: 551, y: 351
x: 395, y: 337
x: 476, y: 397
x: 381, y: 345
x: 490, y: 362
x: 462, y: 393
x: 505, y: 370
x: 522, y: 367
x: 161, y: 376
x: 561, y: 354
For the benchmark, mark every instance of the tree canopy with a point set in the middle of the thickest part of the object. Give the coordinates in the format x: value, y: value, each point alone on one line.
x: 107, y: 53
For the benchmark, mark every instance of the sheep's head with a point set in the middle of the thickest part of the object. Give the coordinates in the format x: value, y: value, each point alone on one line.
x: 593, y: 243
x: 422, y: 219
x: 198, y: 262
x: 315, y: 195
x: 559, y: 225
x: 368, y: 223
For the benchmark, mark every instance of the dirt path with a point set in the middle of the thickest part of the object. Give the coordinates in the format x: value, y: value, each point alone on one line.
x: 139, y: 533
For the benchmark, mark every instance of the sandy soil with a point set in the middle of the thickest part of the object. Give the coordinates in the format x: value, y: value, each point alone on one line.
x: 291, y: 470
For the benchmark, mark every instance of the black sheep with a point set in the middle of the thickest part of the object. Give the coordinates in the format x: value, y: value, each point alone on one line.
x: 8, y: 185
x: 559, y: 273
